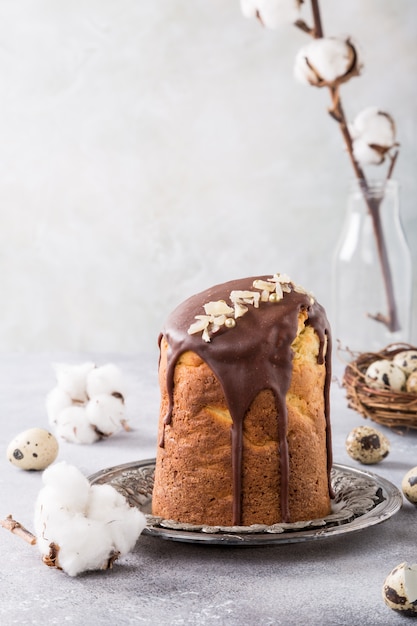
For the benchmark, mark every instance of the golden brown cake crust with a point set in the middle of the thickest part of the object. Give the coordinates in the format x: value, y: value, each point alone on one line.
x: 195, y: 476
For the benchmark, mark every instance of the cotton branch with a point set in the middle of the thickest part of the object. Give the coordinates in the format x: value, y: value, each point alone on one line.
x: 336, y: 111
x: 302, y: 25
x: 16, y: 528
x: 312, y: 66
x: 318, y: 29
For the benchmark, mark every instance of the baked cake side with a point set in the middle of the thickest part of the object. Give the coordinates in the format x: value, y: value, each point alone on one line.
x: 244, y: 433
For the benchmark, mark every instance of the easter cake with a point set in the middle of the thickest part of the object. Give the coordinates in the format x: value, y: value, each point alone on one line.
x: 244, y: 430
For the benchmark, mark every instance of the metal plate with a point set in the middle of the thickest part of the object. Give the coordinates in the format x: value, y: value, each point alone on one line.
x: 362, y: 499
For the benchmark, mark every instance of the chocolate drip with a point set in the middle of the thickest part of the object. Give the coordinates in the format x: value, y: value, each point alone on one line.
x: 254, y: 355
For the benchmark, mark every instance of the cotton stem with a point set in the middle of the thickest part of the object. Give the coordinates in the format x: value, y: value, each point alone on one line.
x: 16, y: 528
x: 318, y: 29
x: 336, y: 111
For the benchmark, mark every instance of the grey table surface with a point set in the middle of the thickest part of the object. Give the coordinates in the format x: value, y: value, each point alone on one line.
x: 332, y: 581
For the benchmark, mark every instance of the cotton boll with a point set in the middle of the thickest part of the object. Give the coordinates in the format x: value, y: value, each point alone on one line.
x: 56, y: 401
x: 373, y: 133
x: 123, y: 522
x: 381, y: 130
x: 80, y: 527
x: 72, y: 488
x: 126, y: 529
x: 102, y: 501
x: 78, y: 545
x: 272, y: 13
x: 302, y: 70
x: 374, y: 125
x: 366, y: 155
x: 249, y: 8
x: 50, y: 520
x: 68, y: 404
x: 326, y: 61
x: 105, y: 413
x: 65, y: 493
x: 48, y: 514
x: 105, y: 379
x: 331, y: 58
x: 83, y: 545
x: 73, y: 425
x: 73, y: 378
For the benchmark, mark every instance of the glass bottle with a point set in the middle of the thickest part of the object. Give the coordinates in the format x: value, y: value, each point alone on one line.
x: 372, y: 271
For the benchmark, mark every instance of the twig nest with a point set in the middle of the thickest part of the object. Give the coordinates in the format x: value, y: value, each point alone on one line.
x: 385, y: 374
x: 81, y: 527
x: 400, y: 589
x: 409, y: 485
x: 33, y: 449
x: 367, y: 445
x: 88, y: 402
x: 390, y: 407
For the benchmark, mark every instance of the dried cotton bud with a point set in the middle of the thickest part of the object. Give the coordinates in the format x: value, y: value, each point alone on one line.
x: 80, y: 527
x: 105, y: 379
x: 56, y: 401
x: 73, y: 426
x: 105, y: 414
x: 272, y: 13
x: 87, y: 402
x: 373, y: 136
x: 326, y: 62
x: 73, y: 379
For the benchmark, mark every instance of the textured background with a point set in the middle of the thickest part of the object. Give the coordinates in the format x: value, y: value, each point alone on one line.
x: 149, y: 150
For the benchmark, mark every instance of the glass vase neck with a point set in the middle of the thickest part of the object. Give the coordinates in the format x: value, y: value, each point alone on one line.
x: 376, y: 189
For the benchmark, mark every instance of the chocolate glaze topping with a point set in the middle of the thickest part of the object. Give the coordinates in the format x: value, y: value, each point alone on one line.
x: 254, y: 355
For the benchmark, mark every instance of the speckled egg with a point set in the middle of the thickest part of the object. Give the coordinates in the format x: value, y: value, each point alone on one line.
x: 411, y: 384
x: 400, y: 589
x: 367, y: 445
x: 407, y: 360
x: 409, y: 485
x: 33, y: 449
x: 384, y: 374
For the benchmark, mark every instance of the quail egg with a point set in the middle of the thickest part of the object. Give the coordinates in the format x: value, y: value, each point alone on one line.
x: 409, y: 485
x: 400, y: 589
x: 367, y: 445
x: 384, y: 374
x: 33, y: 449
x: 407, y: 360
x: 411, y: 384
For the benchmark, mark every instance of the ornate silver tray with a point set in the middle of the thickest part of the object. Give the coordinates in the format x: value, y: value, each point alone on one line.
x: 362, y: 499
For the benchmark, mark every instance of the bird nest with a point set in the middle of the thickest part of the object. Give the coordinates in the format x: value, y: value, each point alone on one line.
x: 394, y: 409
